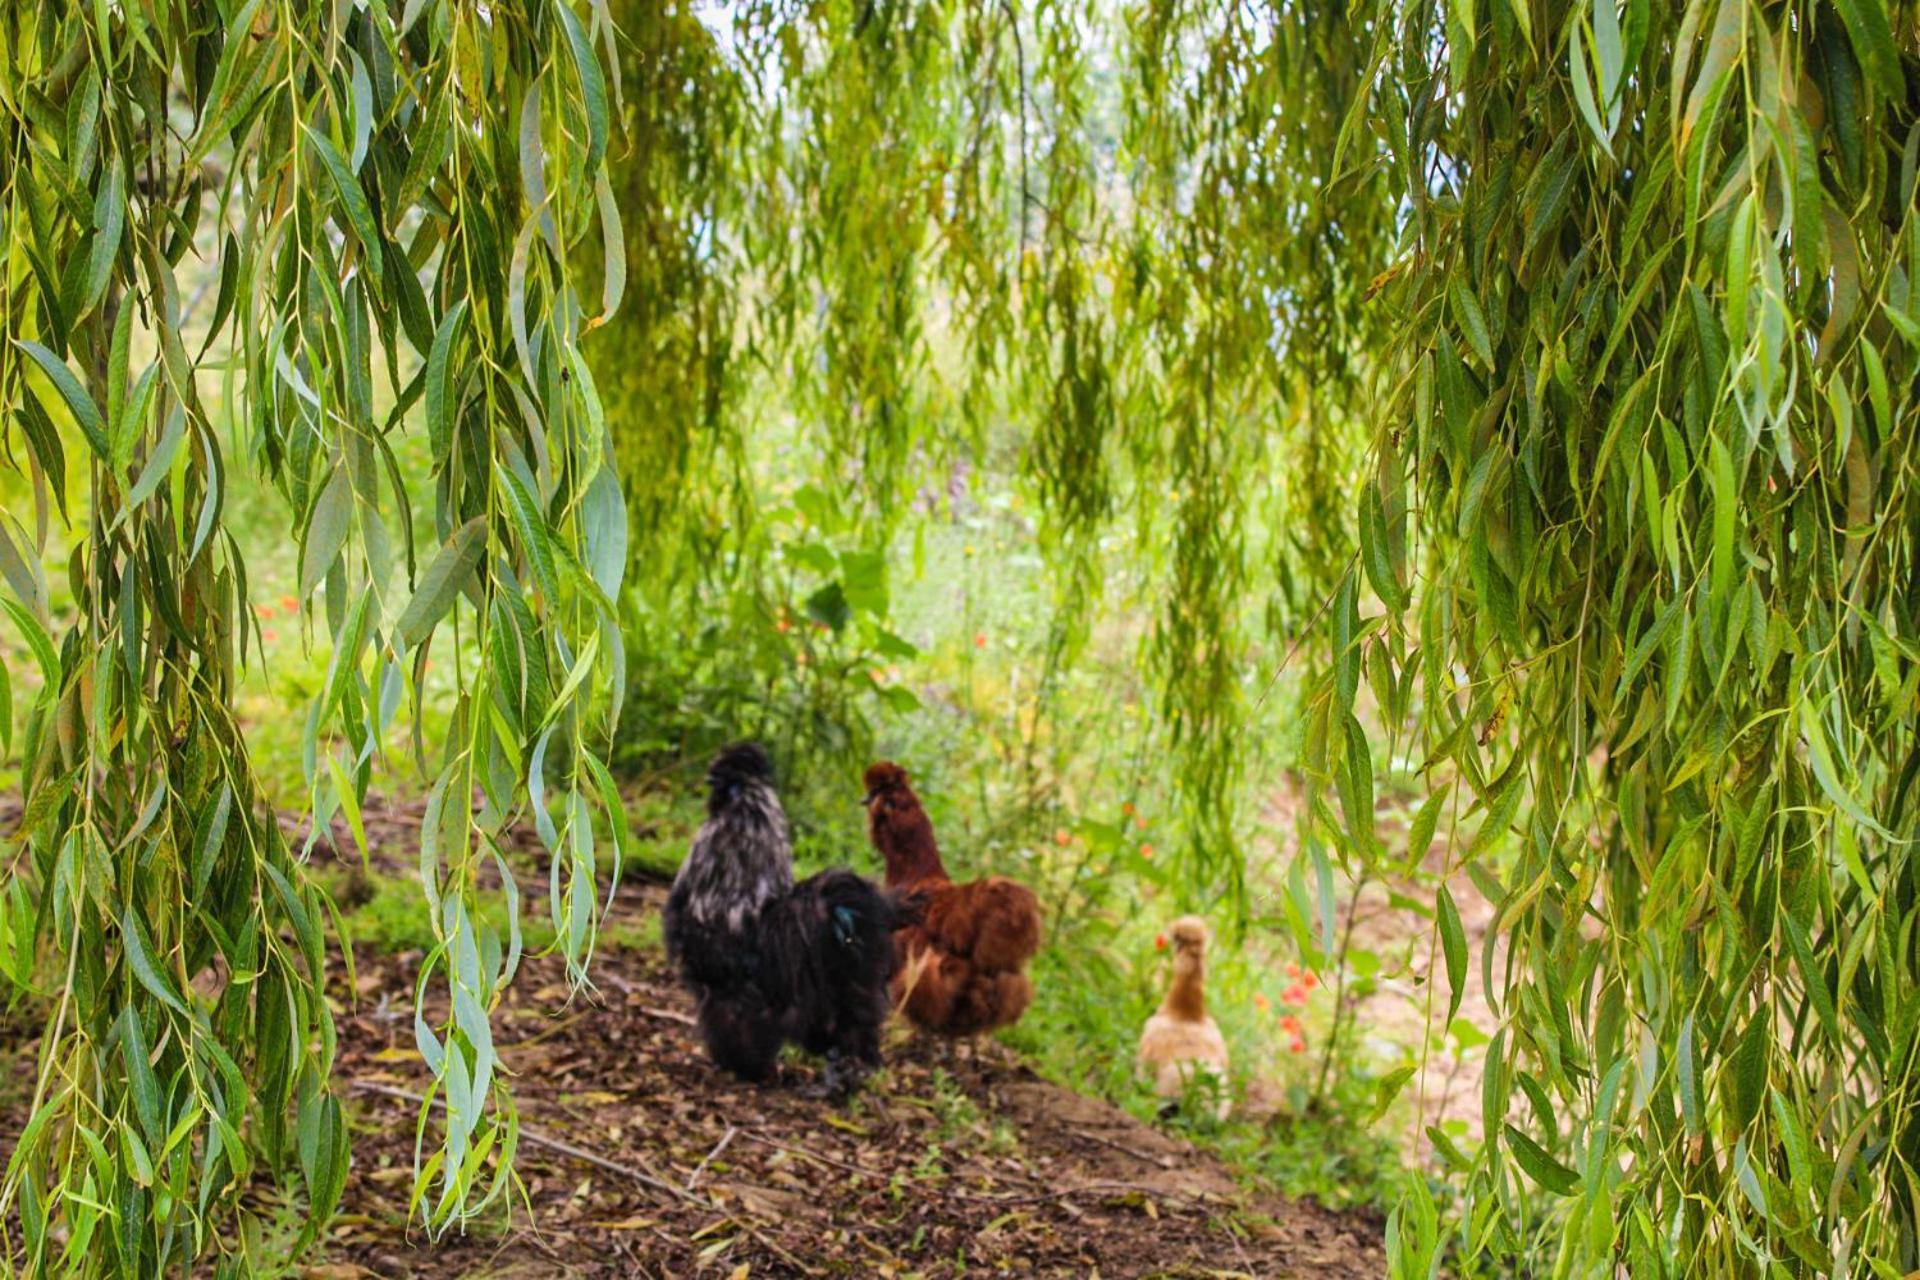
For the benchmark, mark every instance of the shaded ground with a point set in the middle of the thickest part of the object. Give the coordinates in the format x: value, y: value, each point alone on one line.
x: 675, y: 1170
x: 639, y: 1160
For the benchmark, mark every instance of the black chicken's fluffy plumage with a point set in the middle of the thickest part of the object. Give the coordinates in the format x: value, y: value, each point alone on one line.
x: 770, y: 961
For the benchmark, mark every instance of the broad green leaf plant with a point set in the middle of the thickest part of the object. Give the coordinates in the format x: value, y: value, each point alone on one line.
x: 338, y: 243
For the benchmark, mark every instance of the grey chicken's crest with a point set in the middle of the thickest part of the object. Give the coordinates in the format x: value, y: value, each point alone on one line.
x: 742, y: 857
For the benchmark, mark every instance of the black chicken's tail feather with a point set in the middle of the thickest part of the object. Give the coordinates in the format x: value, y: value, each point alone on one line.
x: 856, y: 921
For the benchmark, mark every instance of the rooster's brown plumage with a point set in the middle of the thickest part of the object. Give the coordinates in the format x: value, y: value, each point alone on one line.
x: 961, y: 966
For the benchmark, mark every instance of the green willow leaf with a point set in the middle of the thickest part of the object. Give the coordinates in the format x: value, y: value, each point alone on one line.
x: 110, y: 221
x: 326, y: 530
x: 439, y: 381
x: 1871, y: 31
x: 354, y: 200
x: 1453, y: 939
x: 1539, y: 1165
x: 85, y: 412
x: 160, y: 462
x: 1472, y: 321
x: 441, y: 583
x: 142, y: 964
x: 593, y: 85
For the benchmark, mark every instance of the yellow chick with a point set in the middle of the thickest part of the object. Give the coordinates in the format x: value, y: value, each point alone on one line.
x: 1181, y: 1043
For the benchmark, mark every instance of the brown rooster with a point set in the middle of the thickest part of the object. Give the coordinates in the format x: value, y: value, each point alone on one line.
x: 961, y: 969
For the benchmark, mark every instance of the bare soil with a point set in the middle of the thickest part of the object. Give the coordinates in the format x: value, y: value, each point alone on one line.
x: 639, y: 1159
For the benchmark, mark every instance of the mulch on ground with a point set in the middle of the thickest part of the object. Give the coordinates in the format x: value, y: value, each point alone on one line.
x: 638, y: 1159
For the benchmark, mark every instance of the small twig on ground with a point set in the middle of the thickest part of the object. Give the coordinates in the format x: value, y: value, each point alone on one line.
x: 559, y: 1025
x: 768, y: 1241
x: 1240, y: 1247
x: 1163, y: 1162
x: 717, y: 1149
x: 815, y: 1156
x: 534, y: 1137
x: 667, y: 1015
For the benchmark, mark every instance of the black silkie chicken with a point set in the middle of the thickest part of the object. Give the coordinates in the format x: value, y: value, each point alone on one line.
x: 769, y: 961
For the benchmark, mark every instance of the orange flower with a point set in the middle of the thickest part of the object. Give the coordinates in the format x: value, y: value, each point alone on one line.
x: 783, y: 626
x: 1311, y: 979
x: 263, y: 611
x: 1063, y: 837
x: 290, y: 604
x: 1260, y: 1002
x: 1293, y: 970
x: 1297, y: 1045
x: 1295, y: 994
x: 269, y: 635
x: 979, y: 639
x: 1290, y: 1024
x: 1141, y: 821
x: 1159, y: 942
x: 1146, y: 851
x: 1127, y: 808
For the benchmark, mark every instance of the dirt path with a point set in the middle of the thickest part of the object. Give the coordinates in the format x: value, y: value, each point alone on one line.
x: 927, y: 1174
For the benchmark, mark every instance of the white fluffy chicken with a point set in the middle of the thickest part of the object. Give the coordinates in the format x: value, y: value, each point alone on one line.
x: 1181, y: 1045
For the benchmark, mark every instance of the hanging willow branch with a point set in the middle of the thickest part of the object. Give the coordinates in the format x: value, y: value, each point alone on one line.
x: 389, y: 197
x: 1645, y: 537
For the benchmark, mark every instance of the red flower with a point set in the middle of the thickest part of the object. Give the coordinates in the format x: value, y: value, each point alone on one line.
x: 1146, y: 851
x: 1297, y: 1045
x: 1159, y: 942
x: 1311, y: 980
x: 1290, y: 1024
x: 1293, y: 970
x: 1295, y: 994
x: 979, y: 639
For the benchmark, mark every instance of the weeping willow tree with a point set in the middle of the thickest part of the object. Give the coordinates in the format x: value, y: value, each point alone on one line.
x: 384, y: 203
x: 1622, y: 293
x: 1644, y: 547
x: 954, y: 233
x: 1547, y: 366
